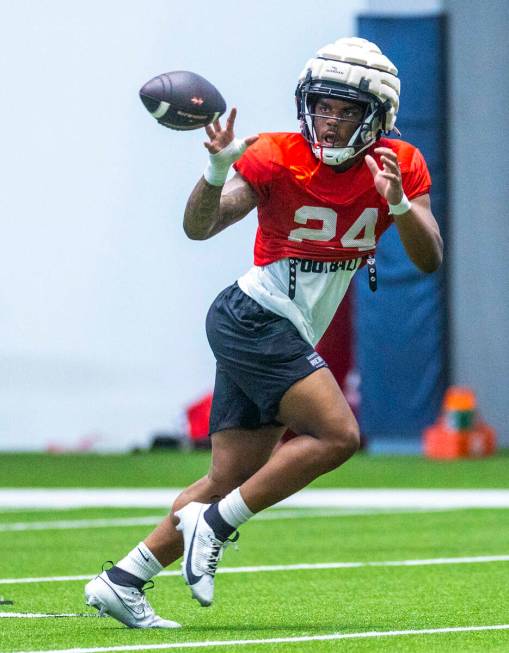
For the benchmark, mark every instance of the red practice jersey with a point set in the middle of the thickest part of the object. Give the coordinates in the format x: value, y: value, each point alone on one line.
x: 307, y: 209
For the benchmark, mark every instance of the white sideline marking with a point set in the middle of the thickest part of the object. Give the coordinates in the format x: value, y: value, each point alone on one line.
x: 302, y: 513
x: 278, y: 640
x: 79, y: 523
x: 271, y: 515
x: 296, y: 567
x: 309, y: 498
x: 40, y: 615
x: 55, y: 579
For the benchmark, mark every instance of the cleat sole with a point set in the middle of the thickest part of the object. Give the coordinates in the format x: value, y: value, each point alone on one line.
x: 94, y: 602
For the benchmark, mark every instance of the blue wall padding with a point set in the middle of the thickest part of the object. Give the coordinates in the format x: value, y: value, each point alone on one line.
x: 401, y: 346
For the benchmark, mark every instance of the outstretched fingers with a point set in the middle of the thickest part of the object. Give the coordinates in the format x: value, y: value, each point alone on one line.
x: 387, y: 152
x: 230, y: 121
x: 219, y: 137
x: 372, y: 165
x: 390, y: 165
x: 390, y: 176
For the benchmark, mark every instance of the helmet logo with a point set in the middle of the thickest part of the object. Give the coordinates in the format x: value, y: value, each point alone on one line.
x: 197, y: 100
x: 335, y: 70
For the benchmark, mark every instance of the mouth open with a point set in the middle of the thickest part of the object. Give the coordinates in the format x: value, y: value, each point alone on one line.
x: 330, y: 140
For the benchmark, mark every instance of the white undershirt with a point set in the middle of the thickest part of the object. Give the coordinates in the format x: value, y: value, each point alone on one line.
x: 317, y: 293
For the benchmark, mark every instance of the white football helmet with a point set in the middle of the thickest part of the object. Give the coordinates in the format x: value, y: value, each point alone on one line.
x: 349, y: 69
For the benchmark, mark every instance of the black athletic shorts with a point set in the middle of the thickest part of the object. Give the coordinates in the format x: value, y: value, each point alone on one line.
x: 259, y: 356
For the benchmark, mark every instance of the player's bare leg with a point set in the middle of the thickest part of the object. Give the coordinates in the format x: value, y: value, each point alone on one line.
x: 316, y: 409
x: 246, y: 476
x: 313, y: 407
x: 236, y: 456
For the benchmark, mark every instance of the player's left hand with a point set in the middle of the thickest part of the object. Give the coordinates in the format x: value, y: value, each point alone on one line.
x: 387, y: 180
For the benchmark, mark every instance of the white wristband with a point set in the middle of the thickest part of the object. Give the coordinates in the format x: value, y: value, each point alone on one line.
x: 404, y: 206
x: 219, y: 164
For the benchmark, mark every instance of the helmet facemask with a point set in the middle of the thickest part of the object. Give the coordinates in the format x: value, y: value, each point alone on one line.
x: 368, y: 129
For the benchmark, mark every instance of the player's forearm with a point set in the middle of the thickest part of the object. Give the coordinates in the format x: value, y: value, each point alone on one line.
x: 210, y: 209
x: 421, y: 238
x: 202, y: 210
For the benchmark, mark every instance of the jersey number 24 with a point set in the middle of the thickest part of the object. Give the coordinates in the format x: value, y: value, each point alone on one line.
x: 360, y: 235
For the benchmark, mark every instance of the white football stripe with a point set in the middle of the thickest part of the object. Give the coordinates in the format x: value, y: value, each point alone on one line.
x: 277, y: 640
x: 296, y: 567
x: 161, y: 109
x: 309, y: 498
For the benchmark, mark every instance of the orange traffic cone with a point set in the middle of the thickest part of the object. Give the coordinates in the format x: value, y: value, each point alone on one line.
x: 459, y: 433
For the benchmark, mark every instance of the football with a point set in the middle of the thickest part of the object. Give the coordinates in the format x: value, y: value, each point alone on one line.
x: 182, y: 100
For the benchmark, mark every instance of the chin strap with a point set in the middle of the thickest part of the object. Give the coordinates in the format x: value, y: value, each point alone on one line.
x: 335, y: 156
x: 332, y: 156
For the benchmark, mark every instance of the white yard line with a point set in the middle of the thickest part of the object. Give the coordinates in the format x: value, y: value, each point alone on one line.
x: 295, y: 567
x: 302, y: 513
x: 278, y: 640
x: 270, y: 515
x: 41, y: 615
x: 57, y: 579
x: 87, y: 497
x: 309, y: 498
x: 66, y: 524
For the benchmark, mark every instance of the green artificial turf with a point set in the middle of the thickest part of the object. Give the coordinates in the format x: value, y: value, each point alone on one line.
x: 287, y: 603
x: 177, y: 469
x: 284, y: 603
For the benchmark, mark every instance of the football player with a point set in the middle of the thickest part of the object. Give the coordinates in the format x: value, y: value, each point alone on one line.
x: 324, y: 196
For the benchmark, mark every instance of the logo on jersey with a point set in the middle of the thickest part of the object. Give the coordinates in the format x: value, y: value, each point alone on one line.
x: 316, y: 360
x: 308, y: 265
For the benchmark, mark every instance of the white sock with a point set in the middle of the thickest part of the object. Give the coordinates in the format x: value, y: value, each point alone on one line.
x: 233, y: 509
x: 141, y: 562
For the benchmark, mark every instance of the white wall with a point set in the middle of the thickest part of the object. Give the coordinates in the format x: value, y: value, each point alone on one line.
x: 479, y: 237
x: 404, y: 7
x: 102, y: 298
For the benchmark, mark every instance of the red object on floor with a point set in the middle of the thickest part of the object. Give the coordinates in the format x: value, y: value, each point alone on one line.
x: 198, y: 416
x: 458, y: 432
x: 443, y: 443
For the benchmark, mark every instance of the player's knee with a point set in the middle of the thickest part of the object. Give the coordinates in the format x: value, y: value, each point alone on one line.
x: 178, y: 504
x: 342, y: 446
x: 351, y: 440
x: 222, y: 484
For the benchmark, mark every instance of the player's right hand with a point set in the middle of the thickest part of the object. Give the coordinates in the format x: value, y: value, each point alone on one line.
x: 220, y: 138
